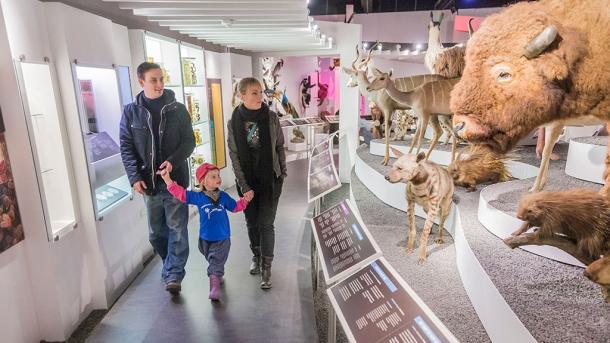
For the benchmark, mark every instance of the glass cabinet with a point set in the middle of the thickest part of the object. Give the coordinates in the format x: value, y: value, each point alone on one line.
x: 195, y: 95
x: 101, y: 92
x: 48, y: 141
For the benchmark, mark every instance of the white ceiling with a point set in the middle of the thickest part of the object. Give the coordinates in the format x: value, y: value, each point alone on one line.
x: 255, y: 25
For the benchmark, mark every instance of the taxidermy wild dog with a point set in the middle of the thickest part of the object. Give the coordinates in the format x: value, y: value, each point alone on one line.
x: 599, y: 272
x: 576, y: 221
x: 480, y: 165
x: 430, y: 186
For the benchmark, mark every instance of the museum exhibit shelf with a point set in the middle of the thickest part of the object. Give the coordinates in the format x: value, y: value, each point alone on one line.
x: 100, y: 93
x: 166, y: 53
x: 518, y: 295
x: 586, y: 158
x: 49, y: 144
x: 196, y: 102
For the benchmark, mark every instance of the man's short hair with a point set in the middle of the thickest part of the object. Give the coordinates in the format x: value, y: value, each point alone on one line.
x: 146, y: 66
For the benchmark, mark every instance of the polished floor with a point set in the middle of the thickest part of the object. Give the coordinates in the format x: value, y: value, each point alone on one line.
x: 146, y: 312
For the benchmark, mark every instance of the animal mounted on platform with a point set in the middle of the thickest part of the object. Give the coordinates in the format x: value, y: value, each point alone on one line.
x: 530, y: 65
x: 429, y: 101
x: 599, y: 272
x: 480, y: 164
x: 576, y: 221
x: 305, y: 92
x: 404, y: 120
x: 359, y: 78
x: 430, y: 186
x: 448, y: 62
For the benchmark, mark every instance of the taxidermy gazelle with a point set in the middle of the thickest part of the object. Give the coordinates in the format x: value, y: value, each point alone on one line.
x: 448, y: 62
x: 429, y: 101
x: 553, y: 130
x: 430, y: 186
x: 358, y: 77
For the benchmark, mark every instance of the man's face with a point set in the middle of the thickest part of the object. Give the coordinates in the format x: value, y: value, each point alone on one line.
x: 152, y: 83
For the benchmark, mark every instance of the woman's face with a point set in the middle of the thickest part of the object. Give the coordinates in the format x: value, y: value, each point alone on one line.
x: 253, y: 97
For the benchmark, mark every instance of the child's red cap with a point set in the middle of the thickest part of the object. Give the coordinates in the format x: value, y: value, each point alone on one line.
x: 203, y: 169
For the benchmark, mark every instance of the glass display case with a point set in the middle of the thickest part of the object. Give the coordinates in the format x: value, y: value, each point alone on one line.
x: 166, y: 53
x: 100, y: 93
x: 195, y: 95
x: 48, y: 141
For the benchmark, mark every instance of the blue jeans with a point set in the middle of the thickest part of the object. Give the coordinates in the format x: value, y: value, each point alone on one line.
x: 167, y: 232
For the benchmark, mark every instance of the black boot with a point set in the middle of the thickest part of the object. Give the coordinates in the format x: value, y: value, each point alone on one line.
x: 266, y: 272
x: 255, y: 266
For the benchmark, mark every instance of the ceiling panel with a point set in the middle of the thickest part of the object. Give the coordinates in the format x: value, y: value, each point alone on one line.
x: 256, y: 25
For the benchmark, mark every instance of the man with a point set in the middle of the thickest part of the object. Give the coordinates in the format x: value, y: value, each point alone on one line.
x: 156, y: 134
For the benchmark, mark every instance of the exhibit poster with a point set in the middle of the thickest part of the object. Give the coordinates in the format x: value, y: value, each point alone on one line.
x: 217, y: 122
x: 376, y: 305
x: 343, y: 241
x: 321, y: 161
x: 323, y: 177
x: 11, y: 228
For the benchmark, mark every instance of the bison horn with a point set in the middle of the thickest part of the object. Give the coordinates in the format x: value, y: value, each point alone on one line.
x: 540, y: 42
x: 470, y: 29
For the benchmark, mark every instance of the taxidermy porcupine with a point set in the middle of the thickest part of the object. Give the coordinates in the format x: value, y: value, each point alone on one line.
x: 480, y: 165
x: 580, y: 216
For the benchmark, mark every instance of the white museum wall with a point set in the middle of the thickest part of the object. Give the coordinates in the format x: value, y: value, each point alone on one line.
x: 49, y: 287
x: 225, y: 66
x: 121, y: 238
x: 18, y: 299
x: 408, y: 27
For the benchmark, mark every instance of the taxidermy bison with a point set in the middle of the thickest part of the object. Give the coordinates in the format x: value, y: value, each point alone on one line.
x: 576, y: 221
x: 480, y: 165
x: 531, y: 64
x: 599, y: 272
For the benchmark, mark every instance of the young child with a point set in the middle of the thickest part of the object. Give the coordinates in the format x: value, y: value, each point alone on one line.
x: 214, y: 231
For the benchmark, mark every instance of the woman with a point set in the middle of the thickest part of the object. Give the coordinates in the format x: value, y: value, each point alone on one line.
x: 256, y: 148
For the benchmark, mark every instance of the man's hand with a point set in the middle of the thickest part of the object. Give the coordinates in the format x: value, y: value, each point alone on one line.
x: 249, y: 195
x: 140, y: 187
x: 167, y: 165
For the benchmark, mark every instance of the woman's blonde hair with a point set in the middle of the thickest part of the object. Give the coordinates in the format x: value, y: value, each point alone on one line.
x: 247, y: 81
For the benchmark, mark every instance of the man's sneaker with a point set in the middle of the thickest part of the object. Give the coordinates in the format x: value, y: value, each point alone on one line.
x: 173, y: 287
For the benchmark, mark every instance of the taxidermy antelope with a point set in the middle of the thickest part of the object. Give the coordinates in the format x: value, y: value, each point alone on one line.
x: 448, y: 62
x: 552, y: 132
x: 430, y: 101
x: 358, y: 77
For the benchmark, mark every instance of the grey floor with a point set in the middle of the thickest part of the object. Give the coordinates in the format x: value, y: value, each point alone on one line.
x: 146, y: 313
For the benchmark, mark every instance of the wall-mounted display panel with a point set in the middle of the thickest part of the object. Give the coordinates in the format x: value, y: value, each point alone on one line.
x: 100, y: 98
x: 48, y: 142
x: 166, y: 53
x: 218, y: 154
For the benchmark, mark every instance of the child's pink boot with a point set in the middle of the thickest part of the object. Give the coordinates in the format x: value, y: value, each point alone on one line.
x: 214, y: 288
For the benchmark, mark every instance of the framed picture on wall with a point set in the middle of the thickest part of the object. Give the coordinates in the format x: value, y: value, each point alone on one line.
x: 11, y: 228
x: 216, y: 123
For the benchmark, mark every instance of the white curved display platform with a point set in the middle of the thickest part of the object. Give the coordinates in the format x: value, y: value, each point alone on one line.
x: 499, y: 320
x: 586, y: 159
x: 499, y: 223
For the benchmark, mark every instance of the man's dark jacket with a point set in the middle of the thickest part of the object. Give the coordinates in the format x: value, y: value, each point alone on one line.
x: 141, y: 157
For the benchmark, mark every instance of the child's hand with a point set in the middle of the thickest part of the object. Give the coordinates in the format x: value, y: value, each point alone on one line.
x: 165, y: 176
x: 249, y: 195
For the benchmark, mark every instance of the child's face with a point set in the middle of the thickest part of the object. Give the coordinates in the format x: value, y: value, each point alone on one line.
x: 212, y: 180
x: 253, y: 97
